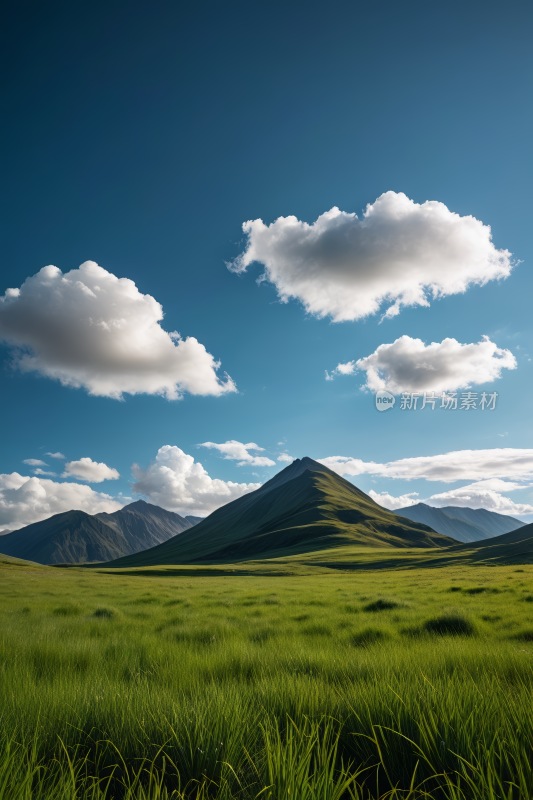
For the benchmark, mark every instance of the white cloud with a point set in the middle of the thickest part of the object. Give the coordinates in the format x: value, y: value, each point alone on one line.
x: 408, y: 365
x: 24, y: 500
x: 237, y: 451
x: 175, y: 482
x: 35, y: 462
x: 475, y: 465
x: 286, y: 458
x: 483, y: 494
x: 90, y: 329
x: 89, y: 470
x: 56, y: 455
x: 400, y: 252
x: 388, y: 501
x: 40, y: 471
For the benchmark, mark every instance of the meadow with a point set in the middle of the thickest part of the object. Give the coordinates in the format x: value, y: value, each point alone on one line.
x: 262, y: 681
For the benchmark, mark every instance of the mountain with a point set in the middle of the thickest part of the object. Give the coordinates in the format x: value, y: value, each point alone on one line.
x: 494, y: 524
x: 304, y: 507
x: 194, y: 520
x: 75, y: 537
x: 463, y: 524
x: 515, y: 547
x: 71, y: 537
x: 144, y: 525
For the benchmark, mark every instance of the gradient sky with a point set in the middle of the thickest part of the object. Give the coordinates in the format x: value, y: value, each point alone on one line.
x: 142, y: 135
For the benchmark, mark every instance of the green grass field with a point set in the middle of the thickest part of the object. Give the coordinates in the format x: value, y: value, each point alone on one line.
x: 283, y: 679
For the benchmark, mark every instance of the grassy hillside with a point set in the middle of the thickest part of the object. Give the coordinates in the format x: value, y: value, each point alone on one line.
x: 234, y: 688
x: 313, y: 509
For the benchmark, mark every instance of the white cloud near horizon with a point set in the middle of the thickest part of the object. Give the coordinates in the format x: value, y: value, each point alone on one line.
x: 25, y: 499
x: 87, y: 328
x: 91, y: 471
x: 286, y: 458
x: 392, y: 503
x: 176, y: 482
x: 482, y: 494
x: 56, y: 455
x: 409, y: 365
x: 400, y: 253
x: 474, y: 465
x: 237, y: 451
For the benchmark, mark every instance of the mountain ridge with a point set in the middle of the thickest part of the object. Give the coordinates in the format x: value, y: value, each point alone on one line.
x: 463, y: 524
x: 75, y: 537
x: 306, y: 505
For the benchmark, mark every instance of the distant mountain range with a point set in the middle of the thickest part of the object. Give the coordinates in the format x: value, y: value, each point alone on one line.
x: 75, y: 537
x: 304, y: 507
x: 463, y: 524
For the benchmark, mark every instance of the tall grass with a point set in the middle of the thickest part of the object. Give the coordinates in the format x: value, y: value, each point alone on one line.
x: 375, y: 687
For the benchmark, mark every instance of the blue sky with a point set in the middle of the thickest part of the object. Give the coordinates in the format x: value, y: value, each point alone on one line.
x: 141, y: 137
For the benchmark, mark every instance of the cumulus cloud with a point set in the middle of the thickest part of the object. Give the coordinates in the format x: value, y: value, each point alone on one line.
x: 24, y: 500
x: 35, y: 462
x: 286, y: 458
x: 409, y: 365
x: 56, y: 455
x: 40, y: 471
x: 483, y: 494
x: 237, y: 451
x: 389, y: 501
x: 474, y: 465
x: 178, y: 483
x: 90, y: 470
x: 88, y: 328
x: 400, y: 253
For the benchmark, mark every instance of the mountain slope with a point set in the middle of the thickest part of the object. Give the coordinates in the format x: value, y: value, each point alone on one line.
x: 304, y: 507
x: 144, y: 525
x: 463, y: 524
x: 491, y: 522
x: 71, y: 537
x: 76, y: 537
x: 515, y: 547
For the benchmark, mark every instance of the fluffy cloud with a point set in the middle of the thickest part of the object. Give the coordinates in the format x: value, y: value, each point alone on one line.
x: 474, y: 465
x: 237, y: 451
x: 89, y: 470
x: 483, y: 494
x: 175, y: 482
x: 35, y: 462
x: 400, y: 252
x: 24, y: 500
x: 286, y: 458
x: 40, y: 471
x: 388, y: 501
x: 56, y: 455
x: 90, y: 329
x: 408, y: 365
